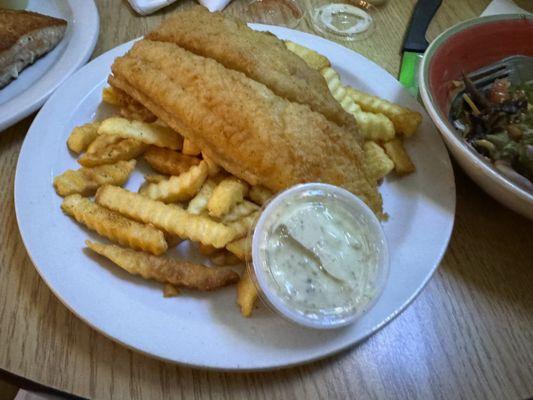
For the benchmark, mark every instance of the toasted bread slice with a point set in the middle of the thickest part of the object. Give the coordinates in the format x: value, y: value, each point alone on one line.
x: 24, y: 37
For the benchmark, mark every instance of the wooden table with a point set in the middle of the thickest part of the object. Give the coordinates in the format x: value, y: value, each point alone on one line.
x: 469, y: 335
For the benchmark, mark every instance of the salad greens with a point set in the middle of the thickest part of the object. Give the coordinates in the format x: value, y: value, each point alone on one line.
x: 498, y: 123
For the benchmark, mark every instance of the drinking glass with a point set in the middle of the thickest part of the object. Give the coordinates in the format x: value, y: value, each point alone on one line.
x: 275, y: 12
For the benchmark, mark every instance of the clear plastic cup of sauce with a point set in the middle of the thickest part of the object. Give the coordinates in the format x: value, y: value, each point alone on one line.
x: 319, y: 256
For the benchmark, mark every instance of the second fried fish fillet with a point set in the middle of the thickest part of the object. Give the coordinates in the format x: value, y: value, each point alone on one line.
x: 241, y: 124
x: 259, y: 55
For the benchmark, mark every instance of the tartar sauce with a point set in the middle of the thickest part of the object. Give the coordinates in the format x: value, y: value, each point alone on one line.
x: 320, y: 258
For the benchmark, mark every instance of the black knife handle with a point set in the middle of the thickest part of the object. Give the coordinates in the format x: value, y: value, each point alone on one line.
x: 415, y: 38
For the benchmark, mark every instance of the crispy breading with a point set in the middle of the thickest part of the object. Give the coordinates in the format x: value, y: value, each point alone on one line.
x: 170, y: 162
x: 137, y: 112
x: 213, y: 168
x: 259, y: 55
x: 114, y: 96
x: 166, y: 270
x: 237, y: 119
x: 190, y: 149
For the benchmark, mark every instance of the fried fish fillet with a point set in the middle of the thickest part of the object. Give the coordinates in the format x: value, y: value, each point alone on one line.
x: 241, y: 124
x: 259, y: 55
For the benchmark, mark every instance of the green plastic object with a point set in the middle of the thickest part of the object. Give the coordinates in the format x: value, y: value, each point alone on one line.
x: 409, y: 71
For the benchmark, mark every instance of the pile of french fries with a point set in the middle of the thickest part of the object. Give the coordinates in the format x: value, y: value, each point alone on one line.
x: 188, y: 196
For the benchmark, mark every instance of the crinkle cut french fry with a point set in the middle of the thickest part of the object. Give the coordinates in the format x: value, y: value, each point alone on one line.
x: 190, y: 149
x: 125, y: 149
x: 115, y: 97
x: 207, y: 250
x: 246, y: 294
x: 166, y: 270
x: 402, y: 163
x: 173, y: 240
x: 170, y: 290
x: 149, y: 133
x: 82, y: 136
x: 242, y: 226
x: 155, y: 178
x: 224, y: 257
x: 102, y: 142
x: 114, y: 226
x: 312, y: 58
x: 199, y: 202
x: 260, y: 194
x: 240, y: 210
x: 228, y: 192
x: 178, y: 188
x: 169, y: 218
x: 169, y: 162
x: 213, y: 168
x: 377, y: 163
x: 137, y: 112
x: 372, y: 126
x: 405, y: 121
x: 129, y: 107
x: 241, y: 248
x: 85, y: 181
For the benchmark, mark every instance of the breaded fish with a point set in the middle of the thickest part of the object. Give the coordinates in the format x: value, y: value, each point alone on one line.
x: 259, y: 55
x: 240, y: 123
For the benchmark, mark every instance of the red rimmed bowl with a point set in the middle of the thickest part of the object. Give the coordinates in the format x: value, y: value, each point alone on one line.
x: 467, y: 47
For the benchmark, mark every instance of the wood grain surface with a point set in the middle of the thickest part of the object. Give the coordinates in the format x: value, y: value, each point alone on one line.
x: 469, y: 335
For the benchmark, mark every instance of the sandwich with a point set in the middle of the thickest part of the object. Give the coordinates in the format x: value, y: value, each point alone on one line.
x: 24, y: 37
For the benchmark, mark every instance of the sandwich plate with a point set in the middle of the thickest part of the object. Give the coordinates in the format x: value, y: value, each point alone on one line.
x: 206, y: 329
x: 36, y: 82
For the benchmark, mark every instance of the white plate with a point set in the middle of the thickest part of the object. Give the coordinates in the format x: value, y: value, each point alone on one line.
x: 36, y: 83
x: 206, y: 330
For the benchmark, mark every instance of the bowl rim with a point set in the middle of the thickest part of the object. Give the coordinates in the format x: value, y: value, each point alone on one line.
x: 442, y: 122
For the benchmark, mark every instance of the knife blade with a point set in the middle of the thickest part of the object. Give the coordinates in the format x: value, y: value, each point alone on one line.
x: 415, y: 43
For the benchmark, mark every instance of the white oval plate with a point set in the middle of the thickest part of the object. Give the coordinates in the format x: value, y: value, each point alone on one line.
x: 206, y: 329
x: 36, y: 83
